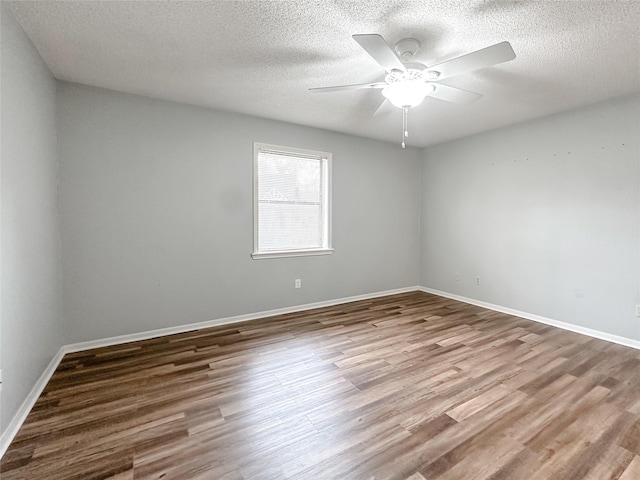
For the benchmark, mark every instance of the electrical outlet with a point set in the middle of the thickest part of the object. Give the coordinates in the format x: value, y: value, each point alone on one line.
x: 637, y: 310
x: 477, y: 280
x: 298, y: 283
x: 457, y: 277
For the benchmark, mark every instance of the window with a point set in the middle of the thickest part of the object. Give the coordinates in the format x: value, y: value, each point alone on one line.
x: 292, y: 202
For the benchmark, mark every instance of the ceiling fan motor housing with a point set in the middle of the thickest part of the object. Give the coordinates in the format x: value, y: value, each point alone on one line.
x: 400, y: 76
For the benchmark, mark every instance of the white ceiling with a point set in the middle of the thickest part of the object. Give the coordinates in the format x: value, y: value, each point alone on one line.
x: 261, y: 57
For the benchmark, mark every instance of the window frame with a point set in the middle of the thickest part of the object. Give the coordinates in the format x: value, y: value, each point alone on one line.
x: 326, y: 157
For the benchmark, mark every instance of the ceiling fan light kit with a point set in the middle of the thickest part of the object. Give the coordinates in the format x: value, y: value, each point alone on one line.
x: 406, y: 89
x: 408, y: 82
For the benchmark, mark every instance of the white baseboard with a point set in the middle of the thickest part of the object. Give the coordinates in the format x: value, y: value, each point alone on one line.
x: 12, y: 429
x: 135, y: 337
x: 627, y: 342
x: 21, y: 415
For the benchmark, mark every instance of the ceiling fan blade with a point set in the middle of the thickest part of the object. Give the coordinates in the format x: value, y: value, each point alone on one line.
x: 381, y: 52
x: 486, y: 57
x: 338, y: 88
x: 453, y: 94
x: 384, y: 106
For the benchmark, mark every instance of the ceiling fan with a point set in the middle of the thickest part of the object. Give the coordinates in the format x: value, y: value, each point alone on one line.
x: 408, y: 82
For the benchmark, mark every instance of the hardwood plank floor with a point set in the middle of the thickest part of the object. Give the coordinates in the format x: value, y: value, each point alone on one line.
x: 410, y: 386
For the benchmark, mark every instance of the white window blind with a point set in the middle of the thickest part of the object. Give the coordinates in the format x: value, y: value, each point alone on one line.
x: 292, y: 201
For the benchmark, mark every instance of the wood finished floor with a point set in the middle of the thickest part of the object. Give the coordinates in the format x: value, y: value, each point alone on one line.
x: 410, y: 386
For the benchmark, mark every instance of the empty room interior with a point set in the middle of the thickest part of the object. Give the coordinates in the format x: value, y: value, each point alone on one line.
x: 320, y: 240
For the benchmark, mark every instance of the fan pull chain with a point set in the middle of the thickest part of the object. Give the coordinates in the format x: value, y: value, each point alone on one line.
x: 405, y: 125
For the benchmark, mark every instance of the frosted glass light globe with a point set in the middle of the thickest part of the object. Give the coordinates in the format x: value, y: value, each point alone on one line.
x: 407, y: 93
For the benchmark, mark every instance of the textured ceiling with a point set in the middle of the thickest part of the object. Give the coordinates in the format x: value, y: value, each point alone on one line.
x: 261, y: 57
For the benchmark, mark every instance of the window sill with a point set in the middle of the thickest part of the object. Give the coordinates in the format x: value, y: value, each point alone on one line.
x: 292, y: 253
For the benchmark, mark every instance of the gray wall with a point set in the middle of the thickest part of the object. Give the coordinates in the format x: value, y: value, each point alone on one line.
x: 156, y: 215
x: 31, y: 322
x: 545, y: 212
